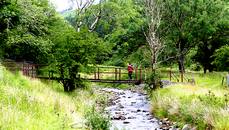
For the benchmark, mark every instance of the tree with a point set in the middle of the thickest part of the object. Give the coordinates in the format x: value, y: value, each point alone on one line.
x: 9, y: 18
x: 190, y: 24
x: 177, y: 21
x: 82, y: 8
x: 221, y: 58
x: 210, y: 31
x: 26, y: 30
x: 153, y: 13
x: 121, y: 26
x: 71, y: 51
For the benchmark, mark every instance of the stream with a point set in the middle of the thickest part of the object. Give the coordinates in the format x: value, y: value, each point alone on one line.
x: 130, y: 110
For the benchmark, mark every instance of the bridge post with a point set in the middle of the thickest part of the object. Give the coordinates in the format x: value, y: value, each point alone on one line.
x: 119, y: 73
x: 136, y: 73
x: 115, y: 73
x: 95, y: 73
x: 98, y: 73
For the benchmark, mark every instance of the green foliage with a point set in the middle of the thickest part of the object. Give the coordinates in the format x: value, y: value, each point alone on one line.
x: 195, y: 67
x: 141, y: 57
x: 221, y: 58
x: 24, y: 25
x: 120, y: 25
x: 153, y: 81
x: 190, y: 24
x: 96, y: 120
x: 73, y: 50
x: 212, y: 100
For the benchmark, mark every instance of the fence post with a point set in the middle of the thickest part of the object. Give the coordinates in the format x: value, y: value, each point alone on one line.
x: 136, y: 73
x: 140, y: 73
x: 182, y: 76
x: 228, y: 80
x: 170, y: 75
x: 98, y: 73
x: 23, y: 69
x: 95, y: 74
x: 145, y: 73
x: 32, y: 71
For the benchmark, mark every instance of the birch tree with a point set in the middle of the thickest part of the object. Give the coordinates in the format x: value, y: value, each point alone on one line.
x: 82, y: 7
x: 153, y: 10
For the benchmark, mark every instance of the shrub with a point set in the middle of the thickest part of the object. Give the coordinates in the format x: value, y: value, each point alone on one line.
x: 195, y: 67
x: 96, y: 120
x: 153, y: 81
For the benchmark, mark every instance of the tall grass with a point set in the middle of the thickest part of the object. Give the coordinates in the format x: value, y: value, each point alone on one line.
x: 34, y: 105
x: 204, y: 105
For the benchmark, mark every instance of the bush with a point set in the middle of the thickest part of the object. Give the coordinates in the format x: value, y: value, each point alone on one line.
x: 154, y: 80
x: 96, y: 120
x: 221, y: 59
x: 195, y: 67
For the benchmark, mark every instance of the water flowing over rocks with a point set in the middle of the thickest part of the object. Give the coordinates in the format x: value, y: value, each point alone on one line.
x: 130, y: 110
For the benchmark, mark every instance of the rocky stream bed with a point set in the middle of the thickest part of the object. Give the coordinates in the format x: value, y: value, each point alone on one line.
x: 130, y: 110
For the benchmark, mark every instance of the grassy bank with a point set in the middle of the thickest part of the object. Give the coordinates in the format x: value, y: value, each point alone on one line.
x: 31, y: 104
x: 205, y: 105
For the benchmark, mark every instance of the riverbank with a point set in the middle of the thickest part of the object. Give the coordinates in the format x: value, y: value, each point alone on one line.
x: 202, y: 106
x: 27, y: 103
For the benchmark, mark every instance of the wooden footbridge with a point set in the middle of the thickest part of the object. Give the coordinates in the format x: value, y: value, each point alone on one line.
x: 114, y: 75
x: 96, y: 74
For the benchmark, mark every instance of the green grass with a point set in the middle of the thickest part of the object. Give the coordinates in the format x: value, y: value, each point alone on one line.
x: 31, y: 104
x: 205, y: 105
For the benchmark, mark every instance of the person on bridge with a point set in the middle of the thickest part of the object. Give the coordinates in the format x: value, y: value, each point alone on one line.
x: 130, y: 70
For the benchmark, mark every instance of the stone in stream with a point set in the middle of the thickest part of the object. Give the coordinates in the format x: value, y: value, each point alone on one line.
x: 138, y: 110
x: 120, y: 105
x: 133, y: 111
x: 131, y: 117
x: 118, y: 112
x: 145, y: 111
x: 118, y: 117
x: 132, y: 103
x: 165, y: 119
x: 126, y: 122
x: 186, y: 127
x: 149, y: 118
x: 152, y: 121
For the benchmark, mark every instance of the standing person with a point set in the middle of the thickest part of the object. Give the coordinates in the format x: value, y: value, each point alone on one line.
x: 130, y: 70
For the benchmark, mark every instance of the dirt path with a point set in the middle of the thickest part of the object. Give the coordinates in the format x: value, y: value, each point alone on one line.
x: 131, y: 111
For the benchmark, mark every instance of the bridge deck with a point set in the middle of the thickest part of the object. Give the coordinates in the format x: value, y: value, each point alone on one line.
x: 98, y: 80
x: 113, y: 81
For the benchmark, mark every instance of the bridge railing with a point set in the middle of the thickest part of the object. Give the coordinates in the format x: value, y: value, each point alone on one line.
x: 97, y: 73
x: 114, y: 73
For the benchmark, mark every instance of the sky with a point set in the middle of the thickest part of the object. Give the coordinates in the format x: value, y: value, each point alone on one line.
x: 61, y: 4
x: 64, y: 4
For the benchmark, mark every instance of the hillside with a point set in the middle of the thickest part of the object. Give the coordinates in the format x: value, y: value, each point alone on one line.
x: 31, y: 104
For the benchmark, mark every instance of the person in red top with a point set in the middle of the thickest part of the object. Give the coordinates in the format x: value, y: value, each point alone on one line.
x: 130, y: 70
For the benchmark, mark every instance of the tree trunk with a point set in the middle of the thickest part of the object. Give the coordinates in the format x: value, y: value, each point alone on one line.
x: 153, y: 62
x: 181, y: 63
x: 205, y: 70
